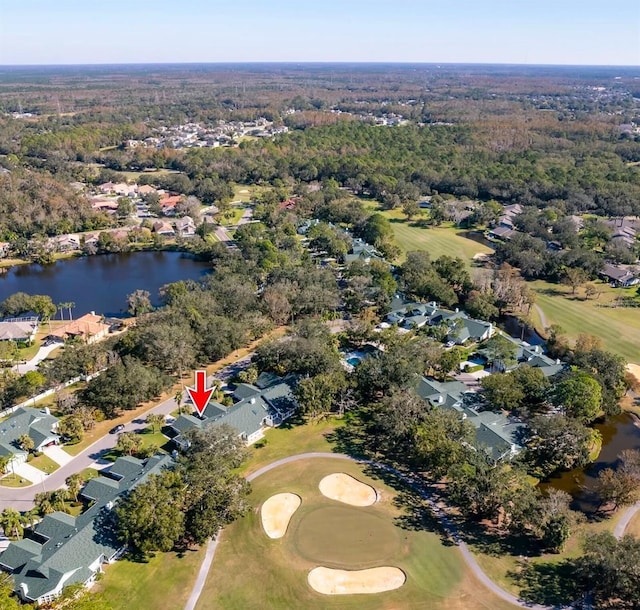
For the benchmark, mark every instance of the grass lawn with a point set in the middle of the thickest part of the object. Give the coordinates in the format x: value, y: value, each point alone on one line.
x: 164, y: 581
x: 246, y: 193
x: 13, y: 480
x: 45, y: 463
x: 500, y: 565
x: 618, y: 327
x: 235, y: 214
x: 290, y: 439
x: 252, y: 571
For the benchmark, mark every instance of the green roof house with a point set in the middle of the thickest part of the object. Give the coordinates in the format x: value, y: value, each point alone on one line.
x: 40, y: 425
x: 258, y: 407
x: 63, y: 550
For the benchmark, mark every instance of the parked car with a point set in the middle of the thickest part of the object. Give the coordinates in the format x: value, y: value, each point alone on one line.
x: 116, y: 429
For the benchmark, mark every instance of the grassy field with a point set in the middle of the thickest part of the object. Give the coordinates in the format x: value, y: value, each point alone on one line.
x: 246, y: 193
x: 164, y: 581
x: 500, y: 565
x: 45, y: 463
x: 235, y: 214
x: 252, y: 571
x: 13, y: 480
x: 445, y: 239
x: 618, y: 327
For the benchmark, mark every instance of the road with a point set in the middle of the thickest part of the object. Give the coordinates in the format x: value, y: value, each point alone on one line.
x: 543, y: 318
x: 22, y: 498
x: 413, y: 482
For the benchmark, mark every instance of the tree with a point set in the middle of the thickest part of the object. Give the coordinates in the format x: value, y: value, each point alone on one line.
x: 139, y: 302
x: 43, y: 503
x: 215, y: 493
x: 502, y: 392
x: 125, y: 207
x: 11, y: 523
x: 71, y: 427
x: 580, y: 395
x: 74, y: 485
x: 442, y: 440
x: 556, y: 442
x: 25, y: 442
x: 8, y: 601
x: 150, y: 517
x: 617, y: 487
x: 129, y: 443
x: 500, y: 352
x: 574, y: 277
x: 411, y: 209
x: 608, y: 569
x: 155, y: 420
x: 316, y: 395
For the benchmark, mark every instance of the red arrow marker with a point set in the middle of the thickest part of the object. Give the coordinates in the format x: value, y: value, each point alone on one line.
x: 200, y: 395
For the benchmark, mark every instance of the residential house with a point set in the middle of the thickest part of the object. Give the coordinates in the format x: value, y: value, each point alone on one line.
x: 146, y: 189
x: 162, y: 227
x: 505, y: 229
x: 90, y: 328
x: 66, y: 243
x: 462, y: 328
x: 264, y: 405
x: 168, y: 204
x: 625, y: 230
x: 5, y: 247
x: 63, y: 550
x: 620, y: 275
x: 185, y: 226
x: 361, y: 251
x: 496, y: 434
x: 19, y: 329
x: 502, y: 232
x: 38, y: 424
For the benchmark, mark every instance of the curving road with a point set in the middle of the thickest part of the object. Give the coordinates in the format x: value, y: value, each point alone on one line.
x: 414, y: 482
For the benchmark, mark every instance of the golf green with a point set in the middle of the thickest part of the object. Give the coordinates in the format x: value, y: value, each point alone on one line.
x: 345, y: 537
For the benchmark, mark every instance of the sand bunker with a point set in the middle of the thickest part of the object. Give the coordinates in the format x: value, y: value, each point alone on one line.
x: 276, y: 513
x: 634, y: 369
x: 344, y: 488
x: 343, y: 582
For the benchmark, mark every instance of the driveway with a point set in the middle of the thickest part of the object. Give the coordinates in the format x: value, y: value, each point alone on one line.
x: 26, y: 471
x: 58, y: 455
x: 32, y: 364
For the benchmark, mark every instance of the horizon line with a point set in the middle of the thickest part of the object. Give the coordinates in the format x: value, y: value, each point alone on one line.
x: 317, y: 62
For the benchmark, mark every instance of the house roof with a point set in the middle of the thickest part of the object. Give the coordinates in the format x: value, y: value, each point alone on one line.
x: 39, y: 425
x: 17, y: 330
x: 88, y: 325
x: 99, y: 487
x: 74, y: 543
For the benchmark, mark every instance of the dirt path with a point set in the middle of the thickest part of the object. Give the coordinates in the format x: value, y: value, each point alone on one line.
x: 414, y: 483
x: 543, y: 318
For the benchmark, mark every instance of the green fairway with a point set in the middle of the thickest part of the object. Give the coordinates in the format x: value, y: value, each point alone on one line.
x: 251, y: 571
x: 163, y: 582
x: 618, y: 327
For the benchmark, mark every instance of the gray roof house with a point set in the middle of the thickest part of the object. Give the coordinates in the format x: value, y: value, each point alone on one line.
x: 264, y: 405
x: 530, y: 355
x: 621, y: 276
x: 40, y: 425
x: 495, y: 434
x: 361, y: 251
x: 19, y: 329
x: 415, y: 315
x: 63, y: 550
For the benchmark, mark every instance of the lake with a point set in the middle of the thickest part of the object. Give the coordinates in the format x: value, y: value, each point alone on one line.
x: 101, y: 283
x: 618, y: 433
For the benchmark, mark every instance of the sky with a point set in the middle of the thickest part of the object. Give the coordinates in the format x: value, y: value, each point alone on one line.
x: 587, y: 32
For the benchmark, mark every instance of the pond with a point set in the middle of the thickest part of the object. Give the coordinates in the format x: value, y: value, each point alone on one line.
x: 618, y: 433
x: 102, y: 283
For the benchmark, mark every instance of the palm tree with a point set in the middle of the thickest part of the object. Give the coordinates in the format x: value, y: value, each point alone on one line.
x: 4, y: 462
x: 61, y: 307
x: 74, y: 484
x: 155, y: 419
x: 70, y: 306
x: 43, y: 503
x: 30, y: 517
x: 58, y: 499
x: 178, y: 399
x: 25, y: 442
x: 11, y: 521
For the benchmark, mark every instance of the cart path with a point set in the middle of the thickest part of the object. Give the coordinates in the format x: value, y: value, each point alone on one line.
x: 413, y: 482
